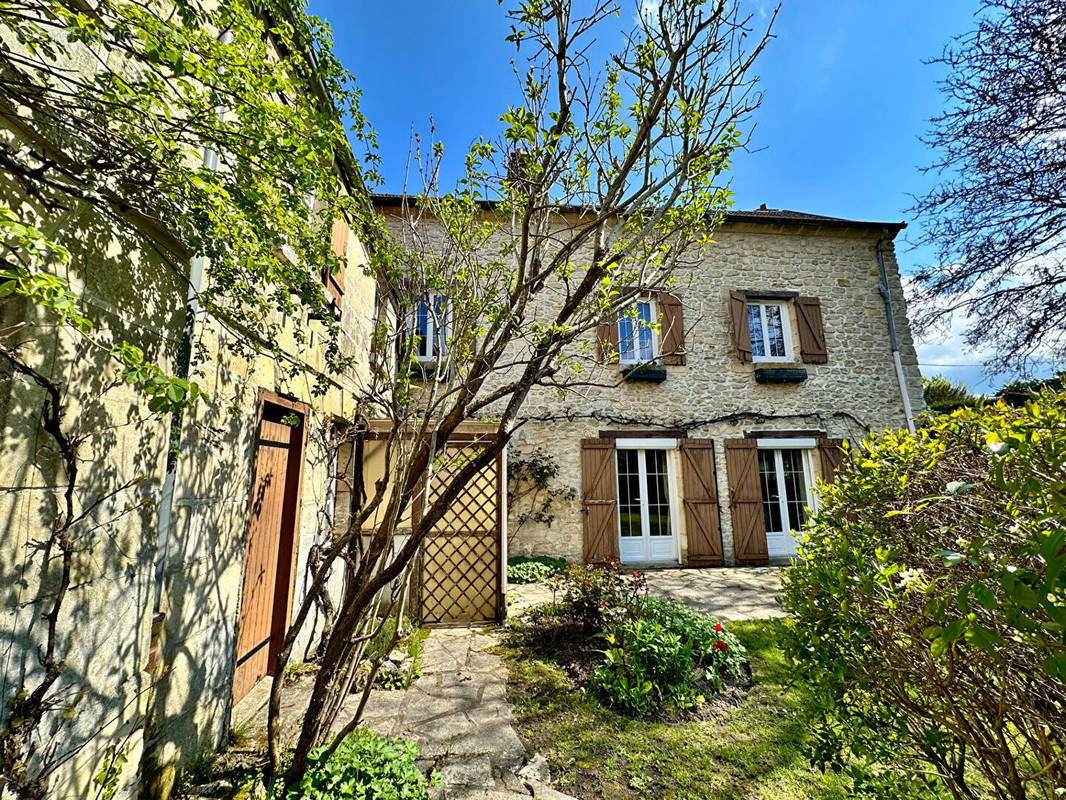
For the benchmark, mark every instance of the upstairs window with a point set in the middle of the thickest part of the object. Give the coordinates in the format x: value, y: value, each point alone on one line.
x: 637, y: 342
x: 771, y: 339
x: 429, y: 325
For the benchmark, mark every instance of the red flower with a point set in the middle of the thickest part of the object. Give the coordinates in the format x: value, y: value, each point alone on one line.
x: 718, y: 627
x: 720, y: 645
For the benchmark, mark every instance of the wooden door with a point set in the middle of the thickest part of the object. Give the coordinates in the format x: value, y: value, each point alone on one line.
x: 700, y: 491
x: 599, y: 500
x: 745, y: 501
x: 271, y: 540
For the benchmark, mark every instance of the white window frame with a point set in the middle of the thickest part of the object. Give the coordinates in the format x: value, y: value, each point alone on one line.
x: 807, y: 447
x: 653, y: 311
x: 436, y: 345
x: 786, y: 330
x: 668, y: 445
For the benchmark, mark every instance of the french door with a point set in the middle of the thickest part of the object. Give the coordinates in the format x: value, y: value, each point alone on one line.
x: 645, y: 507
x: 785, y: 478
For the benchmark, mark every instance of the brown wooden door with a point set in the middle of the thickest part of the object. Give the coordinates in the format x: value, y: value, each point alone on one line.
x: 745, y: 501
x: 269, y: 550
x: 700, y: 491
x: 599, y: 500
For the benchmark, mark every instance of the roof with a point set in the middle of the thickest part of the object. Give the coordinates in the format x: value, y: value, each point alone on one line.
x: 761, y: 215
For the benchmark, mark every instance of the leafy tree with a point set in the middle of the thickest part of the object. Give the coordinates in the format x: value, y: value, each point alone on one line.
x: 929, y: 604
x: 609, y: 174
x: 942, y: 394
x: 998, y: 214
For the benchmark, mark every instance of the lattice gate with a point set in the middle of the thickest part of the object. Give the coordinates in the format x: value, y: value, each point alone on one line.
x: 459, y: 579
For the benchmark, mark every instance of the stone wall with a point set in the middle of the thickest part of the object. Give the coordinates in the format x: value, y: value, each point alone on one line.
x: 160, y: 720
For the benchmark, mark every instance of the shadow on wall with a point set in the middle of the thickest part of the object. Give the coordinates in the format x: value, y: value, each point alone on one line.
x: 104, y: 701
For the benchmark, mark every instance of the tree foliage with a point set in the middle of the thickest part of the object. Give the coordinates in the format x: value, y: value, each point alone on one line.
x: 997, y: 217
x: 943, y: 394
x: 929, y: 603
x: 608, y: 177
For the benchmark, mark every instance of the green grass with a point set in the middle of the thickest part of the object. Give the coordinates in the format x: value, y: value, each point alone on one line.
x: 752, y: 751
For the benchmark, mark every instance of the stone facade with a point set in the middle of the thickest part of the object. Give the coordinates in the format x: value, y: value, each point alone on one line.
x: 715, y: 395
x: 160, y: 714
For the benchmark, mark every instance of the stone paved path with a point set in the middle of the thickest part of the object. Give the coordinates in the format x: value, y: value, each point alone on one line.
x: 729, y: 593
x: 456, y: 712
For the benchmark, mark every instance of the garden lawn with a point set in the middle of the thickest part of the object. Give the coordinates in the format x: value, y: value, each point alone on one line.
x: 752, y: 751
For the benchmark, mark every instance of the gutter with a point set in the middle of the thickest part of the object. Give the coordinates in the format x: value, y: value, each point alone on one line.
x: 886, y: 295
x: 184, y: 360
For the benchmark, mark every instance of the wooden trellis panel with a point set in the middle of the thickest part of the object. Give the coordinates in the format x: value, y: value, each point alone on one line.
x: 460, y: 575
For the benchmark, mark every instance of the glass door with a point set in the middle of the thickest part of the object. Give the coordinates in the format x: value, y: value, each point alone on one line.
x: 645, y: 513
x: 785, y: 479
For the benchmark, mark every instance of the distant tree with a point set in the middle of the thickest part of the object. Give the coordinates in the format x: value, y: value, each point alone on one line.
x: 1017, y: 393
x: 997, y: 216
x: 943, y: 394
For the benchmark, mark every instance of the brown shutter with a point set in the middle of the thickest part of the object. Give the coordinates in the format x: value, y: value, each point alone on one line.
x: 745, y: 501
x: 830, y: 456
x: 339, y: 245
x: 607, y: 340
x: 699, y: 488
x: 738, y: 308
x: 671, y: 330
x: 599, y: 500
x: 811, y: 332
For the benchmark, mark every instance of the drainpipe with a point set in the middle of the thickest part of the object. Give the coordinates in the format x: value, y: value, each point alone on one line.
x: 886, y: 295
x: 181, y: 370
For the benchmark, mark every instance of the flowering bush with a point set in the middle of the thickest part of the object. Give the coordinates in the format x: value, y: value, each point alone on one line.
x: 929, y: 602
x: 713, y: 647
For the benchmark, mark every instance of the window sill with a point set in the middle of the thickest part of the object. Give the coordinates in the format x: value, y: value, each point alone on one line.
x: 644, y: 373
x: 780, y: 375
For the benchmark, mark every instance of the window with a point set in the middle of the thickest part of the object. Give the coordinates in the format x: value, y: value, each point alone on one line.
x: 771, y: 339
x: 645, y: 515
x: 429, y: 325
x: 637, y: 342
x: 784, y: 477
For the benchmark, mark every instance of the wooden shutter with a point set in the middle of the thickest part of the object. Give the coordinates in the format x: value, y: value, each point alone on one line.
x: 830, y: 456
x: 738, y: 308
x: 811, y: 332
x: 607, y: 340
x: 699, y: 488
x: 745, y: 501
x: 339, y: 245
x: 599, y: 500
x: 671, y: 330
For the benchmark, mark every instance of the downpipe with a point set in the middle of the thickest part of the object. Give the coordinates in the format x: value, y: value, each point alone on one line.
x: 886, y: 295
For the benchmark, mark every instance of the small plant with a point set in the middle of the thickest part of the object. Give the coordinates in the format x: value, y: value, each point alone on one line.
x: 647, y: 665
x: 535, y: 569
x: 364, y: 766
x: 531, y: 489
x: 595, y: 596
x: 713, y: 646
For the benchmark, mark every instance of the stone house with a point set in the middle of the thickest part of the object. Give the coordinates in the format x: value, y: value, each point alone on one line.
x: 734, y: 392
x: 718, y: 404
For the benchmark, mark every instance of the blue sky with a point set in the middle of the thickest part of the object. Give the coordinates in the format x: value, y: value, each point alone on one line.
x: 846, y: 96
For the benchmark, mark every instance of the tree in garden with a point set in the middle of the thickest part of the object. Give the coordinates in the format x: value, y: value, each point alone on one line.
x: 942, y: 394
x: 210, y: 135
x: 608, y: 176
x: 929, y: 604
x: 996, y: 218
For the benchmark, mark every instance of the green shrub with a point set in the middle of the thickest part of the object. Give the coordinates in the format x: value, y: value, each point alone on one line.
x: 929, y: 602
x: 364, y: 766
x: 646, y: 665
x: 536, y: 569
x: 595, y: 596
x: 713, y: 646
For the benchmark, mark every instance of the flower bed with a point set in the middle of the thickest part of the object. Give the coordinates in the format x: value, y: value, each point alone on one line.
x: 640, y: 655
